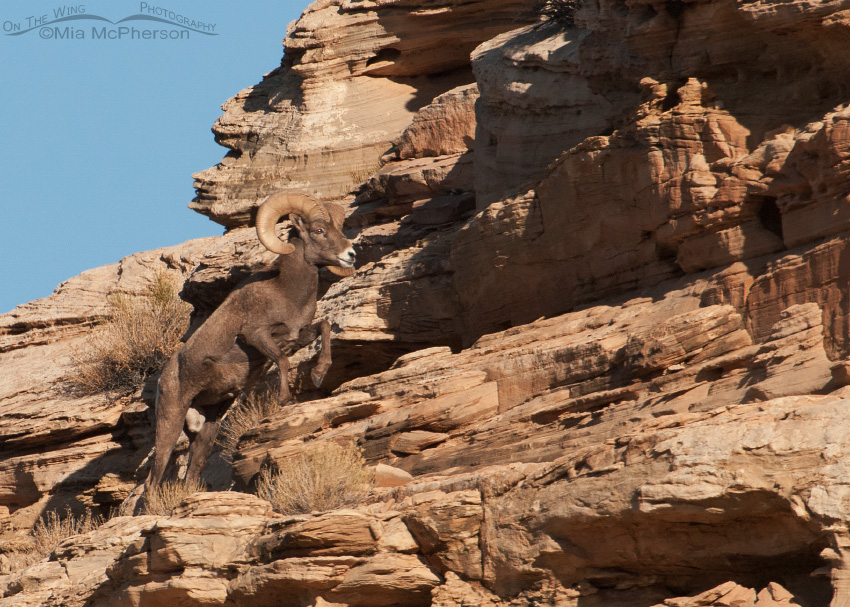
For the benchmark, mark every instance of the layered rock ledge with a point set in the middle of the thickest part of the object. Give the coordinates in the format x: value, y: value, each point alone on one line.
x: 595, y: 349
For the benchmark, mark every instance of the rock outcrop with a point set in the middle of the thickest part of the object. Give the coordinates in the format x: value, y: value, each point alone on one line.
x: 62, y: 450
x: 595, y: 349
x: 752, y: 493
x: 353, y: 75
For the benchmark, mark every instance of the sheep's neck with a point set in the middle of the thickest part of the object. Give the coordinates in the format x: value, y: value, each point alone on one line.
x: 296, y: 272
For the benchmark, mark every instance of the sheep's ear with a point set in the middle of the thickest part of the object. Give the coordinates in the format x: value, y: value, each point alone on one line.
x: 337, y: 214
x: 299, y: 222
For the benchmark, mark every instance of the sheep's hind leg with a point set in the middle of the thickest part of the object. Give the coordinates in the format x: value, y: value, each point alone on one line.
x: 170, y: 415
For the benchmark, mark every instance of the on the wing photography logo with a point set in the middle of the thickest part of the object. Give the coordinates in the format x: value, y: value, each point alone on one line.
x: 70, y: 22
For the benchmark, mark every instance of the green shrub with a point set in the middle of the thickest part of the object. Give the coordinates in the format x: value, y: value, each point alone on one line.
x: 325, y: 476
x: 134, y: 341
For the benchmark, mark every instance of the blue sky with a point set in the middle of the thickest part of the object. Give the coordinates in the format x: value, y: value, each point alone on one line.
x: 101, y: 136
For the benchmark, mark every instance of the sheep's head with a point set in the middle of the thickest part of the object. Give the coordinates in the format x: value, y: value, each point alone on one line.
x: 319, y: 226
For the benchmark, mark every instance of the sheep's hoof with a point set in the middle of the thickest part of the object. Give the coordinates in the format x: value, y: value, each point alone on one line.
x: 283, y: 402
x: 318, y: 375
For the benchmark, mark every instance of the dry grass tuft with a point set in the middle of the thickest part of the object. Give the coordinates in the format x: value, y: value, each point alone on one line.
x: 162, y: 500
x: 326, y: 476
x: 246, y: 415
x: 51, y: 529
x: 134, y: 341
x: 47, y: 533
x: 361, y: 175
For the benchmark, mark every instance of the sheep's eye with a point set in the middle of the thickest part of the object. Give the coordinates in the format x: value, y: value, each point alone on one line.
x: 318, y: 231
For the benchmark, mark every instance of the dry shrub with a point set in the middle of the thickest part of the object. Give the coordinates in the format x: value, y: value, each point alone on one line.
x: 134, y: 341
x: 246, y: 415
x: 562, y: 12
x: 162, y: 500
x: 51, y: 529
x: 326, y: 476
x: 360, y: 175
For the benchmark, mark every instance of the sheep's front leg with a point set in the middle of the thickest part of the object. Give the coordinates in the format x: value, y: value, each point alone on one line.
x: 261, y: 339
x: 323, y: 360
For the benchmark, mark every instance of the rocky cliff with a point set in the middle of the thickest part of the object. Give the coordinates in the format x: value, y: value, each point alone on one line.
x: 596, y: 343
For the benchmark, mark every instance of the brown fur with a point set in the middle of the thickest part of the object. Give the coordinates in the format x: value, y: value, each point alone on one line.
x: 262, y: 321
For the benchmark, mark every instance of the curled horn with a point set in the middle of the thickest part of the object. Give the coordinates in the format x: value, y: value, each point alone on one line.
x: 340, y: 271
x: 283, y: 203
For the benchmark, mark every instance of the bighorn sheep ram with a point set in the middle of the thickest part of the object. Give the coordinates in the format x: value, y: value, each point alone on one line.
x: 264, y: 319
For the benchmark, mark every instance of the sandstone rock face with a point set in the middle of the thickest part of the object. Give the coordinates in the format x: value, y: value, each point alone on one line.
x: 352, y: 77
x: 60, y: 450
x: 751, y: 491
x: 436, y: 412
x: 594, y: 351
x: 545, y: 91
x: 211, y: 553
x: 682, y: 151
x: 445, y: 126
x: 78, y: 573
x: 615, y: 212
